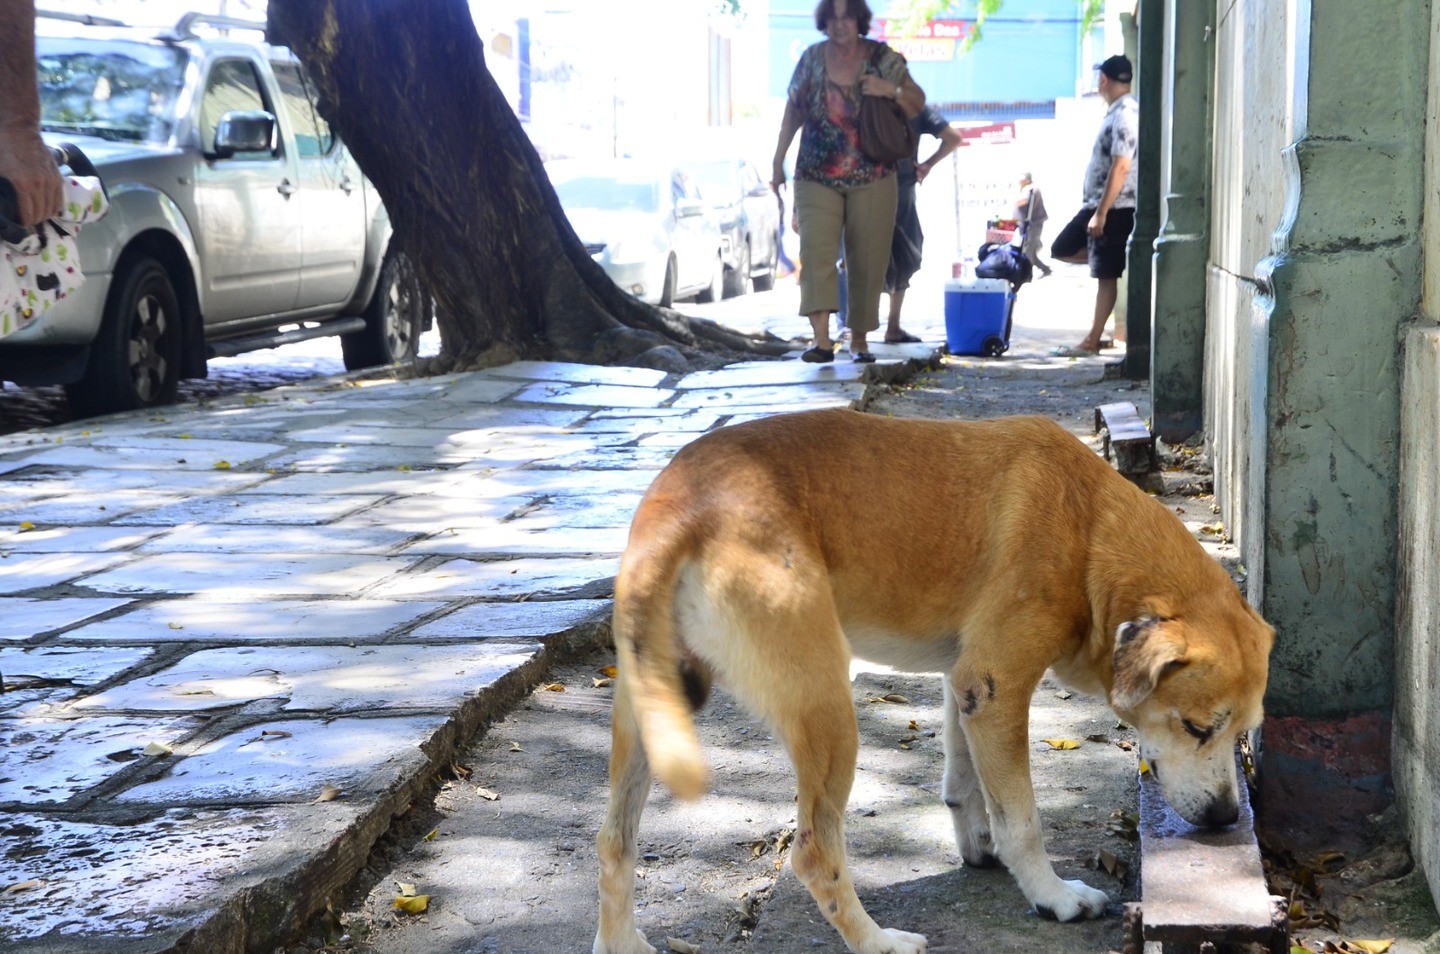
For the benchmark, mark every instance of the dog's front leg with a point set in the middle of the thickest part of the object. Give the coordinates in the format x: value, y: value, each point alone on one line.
x: 616, y: 845
x: 961, y: 791
x: 995, y: 717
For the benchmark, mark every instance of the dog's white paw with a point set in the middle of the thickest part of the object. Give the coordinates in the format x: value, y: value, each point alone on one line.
x: 1070, y: 901
x: 892, y: 941
x: 629, y: 944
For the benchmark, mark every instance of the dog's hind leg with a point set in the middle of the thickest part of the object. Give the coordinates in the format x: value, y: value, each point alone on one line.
x: 961, y: 791
x: 817, y: 722
x: 616, y: 844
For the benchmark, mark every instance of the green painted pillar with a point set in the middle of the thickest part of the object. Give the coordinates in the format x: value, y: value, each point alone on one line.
x: 1150, y: 72
x: 1334, y: 302
x: 1182, y: 249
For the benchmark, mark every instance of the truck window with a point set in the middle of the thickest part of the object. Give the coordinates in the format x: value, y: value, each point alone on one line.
x: 312, y: 133
x: 233, y: 85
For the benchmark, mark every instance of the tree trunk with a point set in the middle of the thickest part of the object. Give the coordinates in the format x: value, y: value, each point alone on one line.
x: 405, y: 85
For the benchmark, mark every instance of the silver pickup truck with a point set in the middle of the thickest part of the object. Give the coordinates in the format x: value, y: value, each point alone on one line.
x: 237, y: 221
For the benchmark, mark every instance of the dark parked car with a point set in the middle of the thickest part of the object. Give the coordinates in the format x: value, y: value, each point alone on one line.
x: 749, y: 221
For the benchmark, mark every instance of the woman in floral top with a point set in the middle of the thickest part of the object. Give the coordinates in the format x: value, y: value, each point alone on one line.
x: 839, y: 191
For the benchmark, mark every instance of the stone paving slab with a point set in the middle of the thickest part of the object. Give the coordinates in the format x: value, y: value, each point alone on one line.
x: 331, y: 584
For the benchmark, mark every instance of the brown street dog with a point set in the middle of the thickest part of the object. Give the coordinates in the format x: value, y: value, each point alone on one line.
x: 766, y: 554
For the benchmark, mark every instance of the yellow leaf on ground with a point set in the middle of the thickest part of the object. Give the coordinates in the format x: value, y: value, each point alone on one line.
x: 222, y: 465
x: 1144, y: 767
x: 431, y: 835
x: 913, y: 726
x: 1374, y: 947
x: 407, y: 890
x: 24, y: 885
x: 894, y: 697
x: 602, y: 683
x: 329, y: 793
x: 416, y: 905
x: 156, y: 748
x: 1062, y: 743
x: 26, y: 525
x: 555, y: 687
x: 610, y: 671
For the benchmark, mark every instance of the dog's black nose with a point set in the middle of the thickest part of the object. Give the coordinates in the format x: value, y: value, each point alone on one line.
x: 1221, y: 812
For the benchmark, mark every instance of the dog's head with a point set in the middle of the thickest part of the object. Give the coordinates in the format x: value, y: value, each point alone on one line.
x: 1190, y: 687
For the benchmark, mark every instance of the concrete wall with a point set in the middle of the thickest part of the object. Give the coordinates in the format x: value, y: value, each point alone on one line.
x: 1315, y: 277
x: 1417, y: 643
x: 1255, y: 119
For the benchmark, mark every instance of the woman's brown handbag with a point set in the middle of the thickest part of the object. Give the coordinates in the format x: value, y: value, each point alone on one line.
x: 885, y: 133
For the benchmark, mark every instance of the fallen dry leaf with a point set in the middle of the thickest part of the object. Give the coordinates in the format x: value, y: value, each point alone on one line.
x: 26, y: 525
x: 515, y: 747
x: 1062, y: 743
x: 610, y: 671
x: 413, y: 905
x: 24, y: 885
x: 269, y: 735
x: 407, y: 890
x: 555, y: 687
x: 222, y: 465
x: 913, y: 726
x: 157, y: 748
x: 431, y: 835
x: 488, y: 795
x: 329, y: 793
x: 602, y: 683
x: 678, y: 946
x: 894, y: 697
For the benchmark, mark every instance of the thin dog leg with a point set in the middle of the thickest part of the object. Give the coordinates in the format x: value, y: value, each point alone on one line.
x: 823, y: 741
x: 998, y: 732
x: 961, y: 791
x: 616, y: 844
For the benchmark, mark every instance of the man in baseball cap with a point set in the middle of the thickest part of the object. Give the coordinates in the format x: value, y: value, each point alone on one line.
x: 1117, y: 68
x: 1100, y: 231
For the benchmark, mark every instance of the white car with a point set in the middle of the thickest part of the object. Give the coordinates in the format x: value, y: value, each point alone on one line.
x: 646, y: 225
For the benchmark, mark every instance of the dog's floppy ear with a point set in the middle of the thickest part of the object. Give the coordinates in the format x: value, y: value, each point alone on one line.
x: 1144, y: 650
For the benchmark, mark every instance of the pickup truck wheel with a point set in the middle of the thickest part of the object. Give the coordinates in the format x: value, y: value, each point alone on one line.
x: 135, y: 358
x: 393, y: 319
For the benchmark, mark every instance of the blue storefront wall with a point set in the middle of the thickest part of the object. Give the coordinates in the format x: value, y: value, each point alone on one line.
x: 1029, y: 56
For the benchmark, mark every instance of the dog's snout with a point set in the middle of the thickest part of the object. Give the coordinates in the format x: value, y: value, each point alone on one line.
x: 1220, y: 812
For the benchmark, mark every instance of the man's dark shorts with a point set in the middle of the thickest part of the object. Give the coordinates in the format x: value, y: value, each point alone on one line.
x: 1107, y: 253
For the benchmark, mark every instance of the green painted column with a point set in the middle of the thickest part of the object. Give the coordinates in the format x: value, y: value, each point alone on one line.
x: 1150, y: 73
x: 1334, y: 302
x: 1177, y: 359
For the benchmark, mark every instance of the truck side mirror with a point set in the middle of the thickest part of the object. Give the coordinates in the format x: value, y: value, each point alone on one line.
x: 244, y: 130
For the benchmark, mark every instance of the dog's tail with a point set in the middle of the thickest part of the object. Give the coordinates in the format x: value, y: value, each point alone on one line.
x: 664, y: 685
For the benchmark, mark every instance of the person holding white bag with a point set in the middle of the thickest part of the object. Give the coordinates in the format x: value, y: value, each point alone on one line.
x: 40, y: 209
x: 24, y: 158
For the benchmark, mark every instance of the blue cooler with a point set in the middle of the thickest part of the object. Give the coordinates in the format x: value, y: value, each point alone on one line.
x: 976, y: 312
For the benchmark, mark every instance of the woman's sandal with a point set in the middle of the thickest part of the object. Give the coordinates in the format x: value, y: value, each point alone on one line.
x: 863, y: 357
x: 818, y: 356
